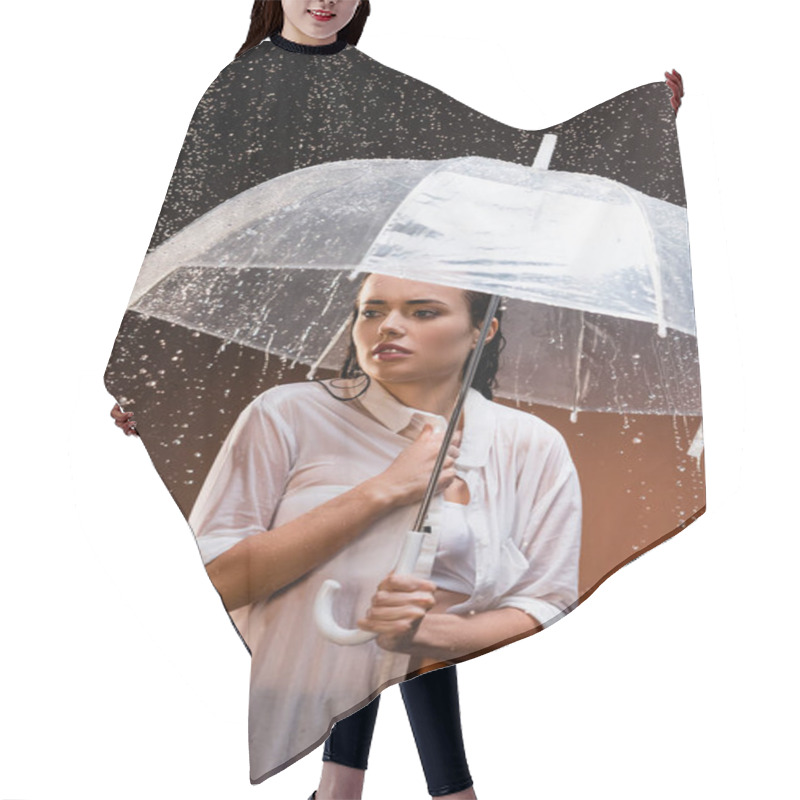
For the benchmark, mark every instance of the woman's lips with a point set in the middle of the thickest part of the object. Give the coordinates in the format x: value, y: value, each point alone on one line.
x: 390, y: 353
x: 323, y: 16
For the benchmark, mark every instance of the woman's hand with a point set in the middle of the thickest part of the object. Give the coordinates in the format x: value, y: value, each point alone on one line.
x: 124, y: 420
x: 406, y: 478
x: 675, y: 82
x: 398, y: 607
x: 402, y: 617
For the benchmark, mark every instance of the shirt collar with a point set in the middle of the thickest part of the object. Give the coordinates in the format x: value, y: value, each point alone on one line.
x: 479, y: 421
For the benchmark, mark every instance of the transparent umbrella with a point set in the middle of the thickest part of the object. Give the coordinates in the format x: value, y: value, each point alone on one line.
x: 598, y: 311
x: 596, y: 275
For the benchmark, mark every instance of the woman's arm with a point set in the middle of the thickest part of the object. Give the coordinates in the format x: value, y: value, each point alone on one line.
x: 264, y: 562
x: 549, y: 539
x: 444, y: 637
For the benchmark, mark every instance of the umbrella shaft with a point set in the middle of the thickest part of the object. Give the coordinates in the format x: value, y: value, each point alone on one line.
x: 472, y: 368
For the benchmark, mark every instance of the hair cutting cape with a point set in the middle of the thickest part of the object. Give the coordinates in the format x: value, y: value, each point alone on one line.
x: 303, y: 170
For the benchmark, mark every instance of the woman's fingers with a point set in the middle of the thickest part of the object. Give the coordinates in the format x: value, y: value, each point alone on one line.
x: 394, y: 621
x: 410, y: 472
x: 398, y: 604
x: 446, y: 477
x: 676, y: 86
x: 675, y: 83
x: 393, y: 603
x: 398, y: 607
x: 124, y: 420
x: 385, y: 617
x: 453, y: 450
x: 395, y: 582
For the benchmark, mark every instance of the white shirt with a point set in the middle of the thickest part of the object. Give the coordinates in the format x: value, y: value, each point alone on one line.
x: 454, y: 565
x: 295, y: 447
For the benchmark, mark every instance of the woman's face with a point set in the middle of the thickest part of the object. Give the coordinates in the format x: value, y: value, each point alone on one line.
x: 316, y: 22
x: 411, y: 331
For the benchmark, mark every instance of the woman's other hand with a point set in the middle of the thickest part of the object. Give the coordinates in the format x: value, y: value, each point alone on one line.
x: 675, y: 82
x: 406, y: 478
x: 124, y: 420
x: 398, y: 607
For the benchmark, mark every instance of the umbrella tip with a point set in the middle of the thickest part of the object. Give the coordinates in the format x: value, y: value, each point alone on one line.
x: 545, y: 152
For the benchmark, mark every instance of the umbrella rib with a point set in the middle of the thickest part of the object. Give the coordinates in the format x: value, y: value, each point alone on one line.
x: 312, y: 371
x: 573, y: 417
x: 654, y: 263
x: 400, y: 204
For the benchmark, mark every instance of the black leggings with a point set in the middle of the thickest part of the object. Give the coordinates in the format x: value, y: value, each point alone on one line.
x: 432, y: 706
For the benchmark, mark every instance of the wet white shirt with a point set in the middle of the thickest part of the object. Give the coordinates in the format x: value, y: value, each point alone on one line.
x: 295, y: 447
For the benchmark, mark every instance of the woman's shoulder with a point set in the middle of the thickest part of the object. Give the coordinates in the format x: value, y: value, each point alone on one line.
x: 304, y: 398
x: 310, y: 407
x: 243, y: 78
x: 290, y: 396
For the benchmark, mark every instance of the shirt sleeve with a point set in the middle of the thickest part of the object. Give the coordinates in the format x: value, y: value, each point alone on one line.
x: 246, y: 482
x: 550, y: 541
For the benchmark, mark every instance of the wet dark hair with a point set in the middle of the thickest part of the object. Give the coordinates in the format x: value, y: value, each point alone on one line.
x: 266, y: 18
x: 485, y: 380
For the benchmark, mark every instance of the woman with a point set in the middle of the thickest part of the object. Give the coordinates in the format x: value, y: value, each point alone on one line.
x: 318, y: 481
x: 400, y: 609
x: 307, y: 22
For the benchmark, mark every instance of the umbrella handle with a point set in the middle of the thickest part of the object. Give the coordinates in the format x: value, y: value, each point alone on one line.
x: 323, y: 603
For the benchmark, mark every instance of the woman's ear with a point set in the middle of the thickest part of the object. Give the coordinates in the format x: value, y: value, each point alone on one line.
x: 489, y: 336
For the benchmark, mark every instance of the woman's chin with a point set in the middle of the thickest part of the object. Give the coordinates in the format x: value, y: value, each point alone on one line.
x: 389, y: 376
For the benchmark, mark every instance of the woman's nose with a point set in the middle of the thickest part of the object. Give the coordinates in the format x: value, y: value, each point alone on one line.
x: 392, y: 323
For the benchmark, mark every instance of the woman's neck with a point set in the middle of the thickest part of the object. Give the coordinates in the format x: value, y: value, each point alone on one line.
x: 294, y: 34
x: 430, y: 397
x: 335, y: 46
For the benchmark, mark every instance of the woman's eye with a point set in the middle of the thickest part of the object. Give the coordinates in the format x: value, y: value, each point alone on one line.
x: 420, y: 313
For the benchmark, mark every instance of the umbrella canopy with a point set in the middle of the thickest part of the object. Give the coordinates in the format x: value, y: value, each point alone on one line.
x: 599, y: 312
